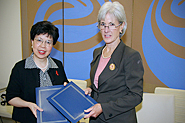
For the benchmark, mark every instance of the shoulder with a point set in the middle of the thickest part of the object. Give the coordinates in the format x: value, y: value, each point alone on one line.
x: 18, y: 68
x: 20, y: 64
x: 58, y: 62
x: 133, y: 59
x: 126, y: 50
x: 97, y: 51
x: 130, y: 52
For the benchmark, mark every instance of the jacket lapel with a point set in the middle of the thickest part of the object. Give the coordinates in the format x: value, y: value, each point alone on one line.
x: 113, y: 65
x: 94, y: 64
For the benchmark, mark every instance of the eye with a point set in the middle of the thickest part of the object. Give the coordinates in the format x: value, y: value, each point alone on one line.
x: 111, y: 24
x: 102, y: 24
x: 39, y: 40
x: 48, y: 42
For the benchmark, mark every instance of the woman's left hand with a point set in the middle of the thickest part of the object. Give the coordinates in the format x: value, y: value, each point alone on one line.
x: 94, y: 111
x: 65, y: 83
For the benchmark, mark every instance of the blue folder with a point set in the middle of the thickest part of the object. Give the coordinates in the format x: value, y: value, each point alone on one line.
x: 71, y: 101
x: 50, y: 114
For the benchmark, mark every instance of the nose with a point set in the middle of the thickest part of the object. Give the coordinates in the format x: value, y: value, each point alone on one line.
x: 106, y: 28
x: 43, y: 44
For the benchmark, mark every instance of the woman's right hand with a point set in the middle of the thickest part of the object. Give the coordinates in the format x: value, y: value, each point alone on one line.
x: 88, y: 91
x: 33, y: 107
x: 18, y: 102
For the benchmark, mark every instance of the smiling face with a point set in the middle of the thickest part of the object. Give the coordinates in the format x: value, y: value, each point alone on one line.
x: 111, y: 36
x: 42, y: 49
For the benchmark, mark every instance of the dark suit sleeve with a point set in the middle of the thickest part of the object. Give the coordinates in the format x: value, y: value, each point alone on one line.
x: 134, y: 81
x: 14, y: 85
x: 134, y: 75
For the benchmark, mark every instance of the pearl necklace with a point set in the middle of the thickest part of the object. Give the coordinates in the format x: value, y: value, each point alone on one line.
x: 43, y: 67
x: 103, y: 55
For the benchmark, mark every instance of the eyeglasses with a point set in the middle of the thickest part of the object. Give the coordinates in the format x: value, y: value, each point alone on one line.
x: 111, y: 26
x: 47, y: 42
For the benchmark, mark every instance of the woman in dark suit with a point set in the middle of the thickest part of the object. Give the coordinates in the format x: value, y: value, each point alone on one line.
x: 116, y: 71
x: 38, y: 70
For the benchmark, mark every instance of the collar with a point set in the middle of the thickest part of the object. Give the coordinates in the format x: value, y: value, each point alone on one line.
x: 114, y: 57
x: 30, y: 64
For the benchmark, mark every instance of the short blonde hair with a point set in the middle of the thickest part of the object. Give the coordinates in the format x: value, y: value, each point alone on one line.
x: 117, y: 10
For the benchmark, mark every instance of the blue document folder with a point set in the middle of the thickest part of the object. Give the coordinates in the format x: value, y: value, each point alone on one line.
x: 71, y: 101
x: 50, y: 113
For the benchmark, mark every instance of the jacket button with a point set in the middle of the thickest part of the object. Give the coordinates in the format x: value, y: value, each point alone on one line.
x: 110, y: 115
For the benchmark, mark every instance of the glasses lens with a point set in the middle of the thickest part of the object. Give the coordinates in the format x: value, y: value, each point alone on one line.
x: 101, y: 27
x: 112, y: 27
x: 49, y: 43
x: 40, y: 41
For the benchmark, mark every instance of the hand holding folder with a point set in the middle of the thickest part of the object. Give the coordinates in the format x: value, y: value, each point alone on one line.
x: 71, y: 101
x: 67, y: 101
x: 49, y: 113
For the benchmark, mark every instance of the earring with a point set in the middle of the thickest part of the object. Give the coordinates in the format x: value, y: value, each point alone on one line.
x: 121, y: 31
x: 31, y: 46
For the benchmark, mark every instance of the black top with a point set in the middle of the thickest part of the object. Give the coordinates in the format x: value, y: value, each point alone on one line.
x: 22, y: 84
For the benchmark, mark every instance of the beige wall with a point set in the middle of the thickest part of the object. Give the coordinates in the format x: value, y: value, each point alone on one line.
x: 10, y: 38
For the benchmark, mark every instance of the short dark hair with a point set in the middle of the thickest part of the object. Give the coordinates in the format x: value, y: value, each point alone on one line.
x: 44, y: 27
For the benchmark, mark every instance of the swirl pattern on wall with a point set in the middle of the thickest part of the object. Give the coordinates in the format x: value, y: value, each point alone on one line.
x: 79, y: 35
x: 163, y: 41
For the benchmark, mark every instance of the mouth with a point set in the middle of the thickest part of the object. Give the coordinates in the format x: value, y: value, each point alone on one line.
x: 107, y: 36
x: 42, y: 52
